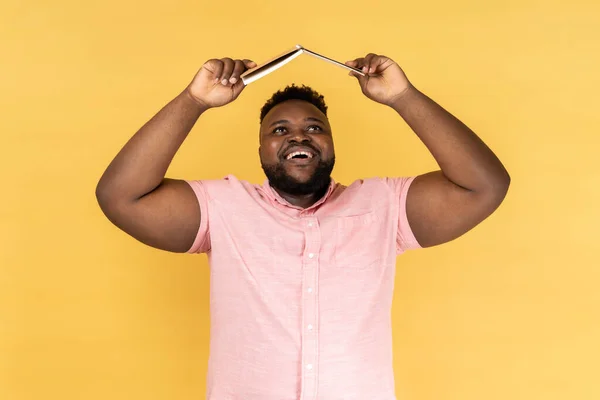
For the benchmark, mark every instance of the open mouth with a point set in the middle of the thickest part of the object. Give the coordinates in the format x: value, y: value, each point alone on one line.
x: 299, y: 155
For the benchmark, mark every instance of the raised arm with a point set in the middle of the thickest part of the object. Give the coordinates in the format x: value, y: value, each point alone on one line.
x: 471, y: 182
x: 133, y: 192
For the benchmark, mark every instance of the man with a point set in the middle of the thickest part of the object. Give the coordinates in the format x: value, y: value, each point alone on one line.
x: 301, y: 267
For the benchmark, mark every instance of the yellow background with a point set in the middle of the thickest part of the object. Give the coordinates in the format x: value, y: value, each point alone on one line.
x: 509, y: 311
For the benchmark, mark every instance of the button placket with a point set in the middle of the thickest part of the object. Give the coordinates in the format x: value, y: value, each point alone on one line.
x: 310, y: 310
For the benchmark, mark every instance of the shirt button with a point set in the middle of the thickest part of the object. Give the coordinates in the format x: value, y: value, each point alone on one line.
x: 310, y: 224
x: 309, y: 327
x: 309, y: 290
x: 311, y: 255
x: 309, y: 366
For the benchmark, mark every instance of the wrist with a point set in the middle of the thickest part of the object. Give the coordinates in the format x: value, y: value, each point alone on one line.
x: 202, y: 106
x: 399, y: 101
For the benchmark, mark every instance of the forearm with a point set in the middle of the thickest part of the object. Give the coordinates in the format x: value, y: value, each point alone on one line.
x: 142, y: 163
x: 462, y: 156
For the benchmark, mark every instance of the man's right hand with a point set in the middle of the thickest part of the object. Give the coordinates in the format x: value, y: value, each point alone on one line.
x: 218, y: 81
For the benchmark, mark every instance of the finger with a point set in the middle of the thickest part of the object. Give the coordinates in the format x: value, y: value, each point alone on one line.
x: 352, y: 63
x: 249, y: 64
x: 228, y: 65
x: 376, y: 64
x: 215, y: 67
x: 356, y: 63
x: 238, y: 69
x: 368, y: 64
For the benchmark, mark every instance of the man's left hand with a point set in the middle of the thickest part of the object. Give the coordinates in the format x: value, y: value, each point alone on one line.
x: 384, y: 80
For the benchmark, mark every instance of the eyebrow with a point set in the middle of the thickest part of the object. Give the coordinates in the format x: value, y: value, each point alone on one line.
x: 282, y: 121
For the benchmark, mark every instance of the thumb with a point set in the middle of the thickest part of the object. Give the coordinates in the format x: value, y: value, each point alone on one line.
x: 237, y: 88
x: 361, y: 79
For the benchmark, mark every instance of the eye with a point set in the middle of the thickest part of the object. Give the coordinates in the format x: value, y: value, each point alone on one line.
x: 279, y: 130
x: 314, y: 128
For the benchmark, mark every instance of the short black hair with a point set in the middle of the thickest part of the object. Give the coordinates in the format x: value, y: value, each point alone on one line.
x: 293, y: 92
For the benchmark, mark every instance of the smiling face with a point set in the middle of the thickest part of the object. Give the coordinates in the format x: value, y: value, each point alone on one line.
x: 296, y: 148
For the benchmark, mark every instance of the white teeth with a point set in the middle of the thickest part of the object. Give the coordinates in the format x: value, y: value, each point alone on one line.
x: 297, y: 153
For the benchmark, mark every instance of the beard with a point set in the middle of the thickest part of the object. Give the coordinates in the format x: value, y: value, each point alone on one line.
x: 317, y: 184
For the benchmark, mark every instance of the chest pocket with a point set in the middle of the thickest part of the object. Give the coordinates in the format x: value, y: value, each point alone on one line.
x: 358, y: 241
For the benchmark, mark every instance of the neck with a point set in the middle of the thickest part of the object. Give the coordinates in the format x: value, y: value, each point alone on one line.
x: 302, y: 200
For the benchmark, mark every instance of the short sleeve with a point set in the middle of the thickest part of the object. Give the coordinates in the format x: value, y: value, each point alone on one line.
x: 202, y: 241
x: 405, y: 238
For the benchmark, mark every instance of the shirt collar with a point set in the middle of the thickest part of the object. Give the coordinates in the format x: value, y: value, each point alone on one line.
x: 273, y: 196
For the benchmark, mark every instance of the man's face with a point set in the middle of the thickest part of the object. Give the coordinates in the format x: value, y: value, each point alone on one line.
x: 296, y: 148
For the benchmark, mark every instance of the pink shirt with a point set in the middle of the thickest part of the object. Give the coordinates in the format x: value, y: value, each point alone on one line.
x: 300, y: 299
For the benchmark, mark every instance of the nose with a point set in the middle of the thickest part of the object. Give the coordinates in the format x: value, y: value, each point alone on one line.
x: 298, y: 136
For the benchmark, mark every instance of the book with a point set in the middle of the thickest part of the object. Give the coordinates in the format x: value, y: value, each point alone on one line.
x: 279, y: 61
